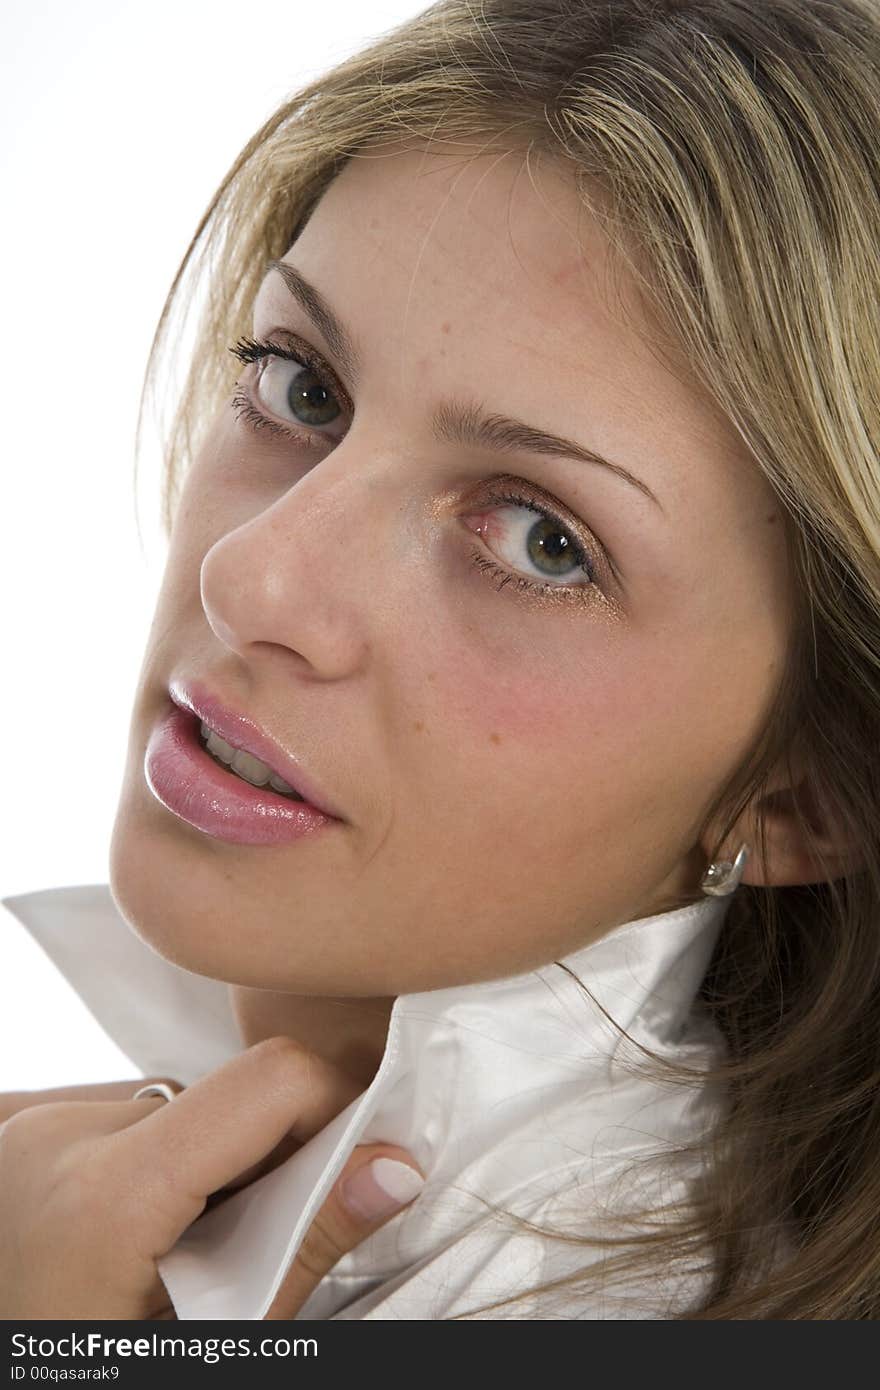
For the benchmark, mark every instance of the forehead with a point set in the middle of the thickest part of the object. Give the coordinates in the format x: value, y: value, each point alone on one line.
x: 502, y: 237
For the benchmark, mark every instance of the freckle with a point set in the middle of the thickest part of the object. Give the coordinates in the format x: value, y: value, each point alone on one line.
x: 432, y: 675
x: 772, y: 518
x: 494, y: 738
x: 418, y: 726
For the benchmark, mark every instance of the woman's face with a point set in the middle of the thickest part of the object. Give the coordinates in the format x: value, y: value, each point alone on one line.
x: 517, y: 769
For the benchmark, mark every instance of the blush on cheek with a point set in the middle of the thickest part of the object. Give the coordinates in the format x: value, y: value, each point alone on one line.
x: 530, y: 703
x: 541, y: 690
x: 594, y: 716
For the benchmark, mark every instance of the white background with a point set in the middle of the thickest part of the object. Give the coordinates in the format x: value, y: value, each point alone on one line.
x: 118, y: 120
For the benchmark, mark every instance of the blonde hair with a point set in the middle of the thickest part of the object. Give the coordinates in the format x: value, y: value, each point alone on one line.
x: 735, y: 144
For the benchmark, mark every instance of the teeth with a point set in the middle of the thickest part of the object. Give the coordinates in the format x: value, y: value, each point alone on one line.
x: 220, y: 747
x: 252, y: 769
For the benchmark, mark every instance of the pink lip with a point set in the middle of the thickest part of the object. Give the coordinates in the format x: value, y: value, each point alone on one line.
x: 244, y: 732
x: 187, y: 780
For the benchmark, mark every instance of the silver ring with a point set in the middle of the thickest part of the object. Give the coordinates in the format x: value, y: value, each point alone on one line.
x: 156, y: 1088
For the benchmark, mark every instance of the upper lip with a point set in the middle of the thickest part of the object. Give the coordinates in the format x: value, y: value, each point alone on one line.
x: 242, y: 731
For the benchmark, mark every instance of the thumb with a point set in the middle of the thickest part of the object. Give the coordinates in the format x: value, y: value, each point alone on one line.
x: 376, y: 1182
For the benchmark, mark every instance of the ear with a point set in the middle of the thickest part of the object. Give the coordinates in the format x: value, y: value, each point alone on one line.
x: 792, y: 858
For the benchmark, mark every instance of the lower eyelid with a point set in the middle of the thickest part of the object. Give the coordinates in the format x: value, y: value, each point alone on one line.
x: 256, y: 420
x: 523, y: 587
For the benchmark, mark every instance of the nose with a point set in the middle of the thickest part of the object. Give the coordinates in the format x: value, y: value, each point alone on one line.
x: 312, y: 572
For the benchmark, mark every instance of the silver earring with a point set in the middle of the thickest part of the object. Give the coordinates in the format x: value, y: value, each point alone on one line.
x: 723, y: 877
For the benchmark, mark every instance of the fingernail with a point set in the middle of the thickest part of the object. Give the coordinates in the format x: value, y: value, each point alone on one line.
x: 379, y: 1188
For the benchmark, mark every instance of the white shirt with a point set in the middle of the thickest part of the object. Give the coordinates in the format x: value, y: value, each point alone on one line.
x: 512, y: 1090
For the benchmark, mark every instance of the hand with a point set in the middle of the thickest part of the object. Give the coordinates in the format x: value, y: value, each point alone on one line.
x: 94, y: 1193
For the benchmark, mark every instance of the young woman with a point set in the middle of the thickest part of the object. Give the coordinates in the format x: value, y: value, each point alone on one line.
x: 524, y: 513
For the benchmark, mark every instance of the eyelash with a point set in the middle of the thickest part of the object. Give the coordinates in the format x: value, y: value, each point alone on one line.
x: 250, y: 350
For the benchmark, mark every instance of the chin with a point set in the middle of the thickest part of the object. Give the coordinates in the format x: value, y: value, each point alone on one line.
x: 175, y: 897
x: 177, y: 890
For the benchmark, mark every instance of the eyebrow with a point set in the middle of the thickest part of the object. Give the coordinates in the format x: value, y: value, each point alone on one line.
x: 453, y: 422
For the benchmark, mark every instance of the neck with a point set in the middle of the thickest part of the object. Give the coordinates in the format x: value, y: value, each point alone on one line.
x: 350, y: 1033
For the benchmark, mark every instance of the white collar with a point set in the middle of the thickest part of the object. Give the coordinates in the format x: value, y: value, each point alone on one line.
x: 466, y: 1075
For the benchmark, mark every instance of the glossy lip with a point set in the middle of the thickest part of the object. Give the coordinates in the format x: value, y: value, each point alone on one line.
x: 243, y: 732
x: 190, y: 783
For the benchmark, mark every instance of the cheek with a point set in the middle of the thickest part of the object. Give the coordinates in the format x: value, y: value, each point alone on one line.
x: 599, y: 721
x: 530, y: 763
x: 537, y: 705
x: 543, y: 677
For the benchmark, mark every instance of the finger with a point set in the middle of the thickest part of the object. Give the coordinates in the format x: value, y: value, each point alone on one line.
x: 171, y: 1081
x: 13, y: 1101
x: 377, y: 1182
x: 284, y: 1149
x: 223, y: 1124
x: 164, y: 1090
x: 90, y: 1117
x: 96, y: 1110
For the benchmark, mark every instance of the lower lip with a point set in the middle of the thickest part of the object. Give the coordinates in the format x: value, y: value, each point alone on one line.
x: 187, y: 780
